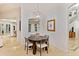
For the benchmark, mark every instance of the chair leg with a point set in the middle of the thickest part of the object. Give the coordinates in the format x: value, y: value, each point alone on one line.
x: 47, y: 49
x: 40, y: 48
x: 40, y: 51
x: 25, y: 48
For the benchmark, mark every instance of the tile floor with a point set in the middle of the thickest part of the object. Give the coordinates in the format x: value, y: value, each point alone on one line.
x: 73, y: 47
x: 13, y: 48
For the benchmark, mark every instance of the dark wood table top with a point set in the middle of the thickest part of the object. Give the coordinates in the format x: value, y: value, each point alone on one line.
x: 37, y: 38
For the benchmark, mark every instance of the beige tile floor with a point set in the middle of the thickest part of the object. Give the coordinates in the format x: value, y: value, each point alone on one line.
x: 13, y: 48
x: 73, y: 47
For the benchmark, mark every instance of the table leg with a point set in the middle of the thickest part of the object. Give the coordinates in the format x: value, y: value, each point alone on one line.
x: 34, y: 48
x: 46, y: 48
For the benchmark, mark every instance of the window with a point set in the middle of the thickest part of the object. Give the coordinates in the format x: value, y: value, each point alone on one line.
x: 13, y: 27
x: 29, y: 28
x: 35, y: 27
x: 8, y: 28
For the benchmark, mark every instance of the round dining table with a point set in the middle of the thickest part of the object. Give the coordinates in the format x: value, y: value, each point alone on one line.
x: 34, y: 40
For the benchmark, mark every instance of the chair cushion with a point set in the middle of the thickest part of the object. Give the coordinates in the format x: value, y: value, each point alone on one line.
x: 29, y: 44
x: 42, y: 45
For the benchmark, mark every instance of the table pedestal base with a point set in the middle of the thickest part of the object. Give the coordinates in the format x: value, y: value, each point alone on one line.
x: 34, y: 48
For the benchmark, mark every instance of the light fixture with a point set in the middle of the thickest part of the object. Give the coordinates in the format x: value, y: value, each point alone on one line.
x: 36, y: 12
x: 74, y: 5
x: 37, y: 16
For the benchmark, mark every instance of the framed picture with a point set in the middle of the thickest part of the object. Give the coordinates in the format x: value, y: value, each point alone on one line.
x: 51, y: 25
x: 20, y: 25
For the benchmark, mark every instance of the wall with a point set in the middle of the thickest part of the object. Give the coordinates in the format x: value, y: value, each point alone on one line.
x: 72, y: 25
x: 11, y: 11
x: 47, y: 12
x: 76, y: 22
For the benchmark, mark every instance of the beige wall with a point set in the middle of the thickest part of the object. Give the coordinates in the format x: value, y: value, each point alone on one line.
x: 11, y: 11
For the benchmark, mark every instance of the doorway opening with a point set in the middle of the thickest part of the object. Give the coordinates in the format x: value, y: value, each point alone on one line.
x: 8, y: 31
x: 73, y: 27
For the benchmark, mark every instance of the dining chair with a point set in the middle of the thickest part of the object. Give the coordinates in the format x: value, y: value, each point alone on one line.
x: 43, y: 44
x: 27, y: 44
x: 47, y: 39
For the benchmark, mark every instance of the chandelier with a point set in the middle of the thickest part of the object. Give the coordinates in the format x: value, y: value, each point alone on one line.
x: 36, y: 12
